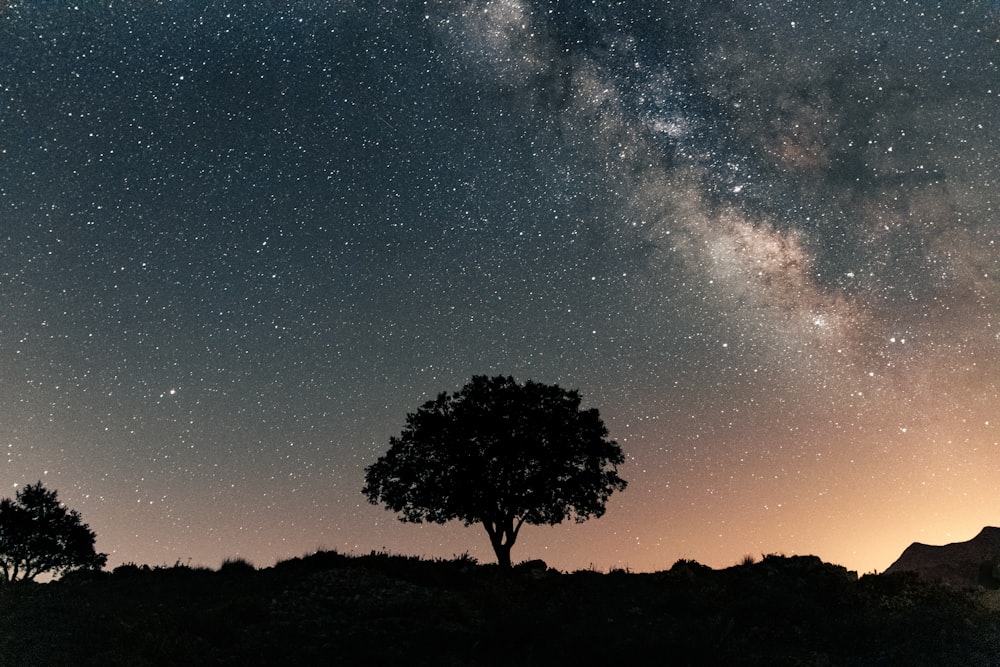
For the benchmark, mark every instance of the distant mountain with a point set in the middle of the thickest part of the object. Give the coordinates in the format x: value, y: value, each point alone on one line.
x: 960, y: 563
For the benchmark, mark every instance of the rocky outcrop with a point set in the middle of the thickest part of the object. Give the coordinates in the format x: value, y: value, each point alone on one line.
x: 968, y: 563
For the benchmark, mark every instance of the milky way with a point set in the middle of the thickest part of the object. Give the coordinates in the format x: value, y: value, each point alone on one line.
x: 240, y: 243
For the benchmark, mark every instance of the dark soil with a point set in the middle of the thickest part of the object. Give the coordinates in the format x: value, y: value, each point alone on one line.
x: 330, y: 609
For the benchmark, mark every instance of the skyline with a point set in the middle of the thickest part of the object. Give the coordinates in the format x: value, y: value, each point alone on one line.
x: 241, y: 243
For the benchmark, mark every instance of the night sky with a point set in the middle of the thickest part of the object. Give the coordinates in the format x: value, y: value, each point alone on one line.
x: 239, y: 242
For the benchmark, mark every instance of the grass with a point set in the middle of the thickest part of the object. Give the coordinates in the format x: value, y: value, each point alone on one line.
x: 380, y: 609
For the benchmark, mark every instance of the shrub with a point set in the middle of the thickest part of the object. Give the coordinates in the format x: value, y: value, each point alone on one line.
x: 129, y: 570
x: 236, y: 565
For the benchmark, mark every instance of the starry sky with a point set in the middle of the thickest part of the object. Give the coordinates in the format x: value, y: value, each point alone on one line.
x: 240, y: 241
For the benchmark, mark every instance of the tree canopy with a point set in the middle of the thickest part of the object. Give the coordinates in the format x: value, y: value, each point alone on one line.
x: 39, y: 535
x: 502, y: 454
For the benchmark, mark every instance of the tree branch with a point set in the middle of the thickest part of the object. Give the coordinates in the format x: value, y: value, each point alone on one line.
x: 517, y: 527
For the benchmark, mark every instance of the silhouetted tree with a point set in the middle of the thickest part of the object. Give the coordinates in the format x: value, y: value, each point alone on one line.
x: 502, y: 454
x: 39, y: 535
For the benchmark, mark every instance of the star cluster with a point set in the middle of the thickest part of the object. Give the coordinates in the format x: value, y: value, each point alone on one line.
x: 241, y: 242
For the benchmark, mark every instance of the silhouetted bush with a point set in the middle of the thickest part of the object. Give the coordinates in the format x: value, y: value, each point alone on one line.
x: 130, y: 570
x: 689, y: 568
x: 537, y: 566
x: 320, y: 560
x: 236, y: 566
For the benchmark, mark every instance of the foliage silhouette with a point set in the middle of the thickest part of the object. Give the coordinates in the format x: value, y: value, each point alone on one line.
x: 38, y: 535
x: 501, y: 454
x: 237, y: 566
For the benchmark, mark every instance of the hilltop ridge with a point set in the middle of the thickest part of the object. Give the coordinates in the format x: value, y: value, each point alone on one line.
x: 973, y: 562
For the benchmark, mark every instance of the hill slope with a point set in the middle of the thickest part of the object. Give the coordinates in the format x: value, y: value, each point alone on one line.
x: 385, y: 610
x: 960, y: 563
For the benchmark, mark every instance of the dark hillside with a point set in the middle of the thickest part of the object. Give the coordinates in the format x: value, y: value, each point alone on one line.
x: 329, y: 609
x: 975, y: 562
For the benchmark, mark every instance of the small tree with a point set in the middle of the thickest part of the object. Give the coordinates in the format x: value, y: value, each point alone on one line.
x: 39, y: 535
x: 501, y: 454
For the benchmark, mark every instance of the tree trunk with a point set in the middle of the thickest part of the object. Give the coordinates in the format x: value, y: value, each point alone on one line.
x: 503, y: 555
x: 502, y: 536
